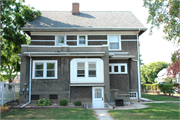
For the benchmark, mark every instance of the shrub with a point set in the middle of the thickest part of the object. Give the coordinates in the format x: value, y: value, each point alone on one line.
x: 143, y: 86
x: 63, y: 102
x: 166, y: 88
x: 148, y: 86
x: 154, y: 86
x: 77, y: 103
x: 43, y: 102
x: 4, y: 108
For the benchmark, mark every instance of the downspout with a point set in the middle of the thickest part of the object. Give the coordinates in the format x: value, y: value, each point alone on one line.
x: 29, y: 84
x: 138, y: 66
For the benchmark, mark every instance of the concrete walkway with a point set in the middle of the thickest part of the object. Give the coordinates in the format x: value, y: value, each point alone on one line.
x: 103, y: 115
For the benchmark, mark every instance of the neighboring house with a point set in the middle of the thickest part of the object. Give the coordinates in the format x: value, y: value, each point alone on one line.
x: 16, y: 79
x: 162, y: 75
x: 87, y: 56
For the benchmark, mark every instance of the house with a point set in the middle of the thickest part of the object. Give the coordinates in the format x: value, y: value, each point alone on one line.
x: 162, y: 75
x: 87, y: 56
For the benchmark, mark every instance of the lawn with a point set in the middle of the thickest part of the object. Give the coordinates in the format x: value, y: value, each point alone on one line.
x: 51, y: 113
x: 159, y: 97
x: 156, y: 111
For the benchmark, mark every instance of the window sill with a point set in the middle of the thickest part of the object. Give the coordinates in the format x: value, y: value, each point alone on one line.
x: 118, y: 73
x: 45, y: 78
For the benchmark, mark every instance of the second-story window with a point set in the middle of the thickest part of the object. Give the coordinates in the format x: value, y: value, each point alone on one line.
x: 60, y: 40
x: 114, y: 42
x: 82, y: 40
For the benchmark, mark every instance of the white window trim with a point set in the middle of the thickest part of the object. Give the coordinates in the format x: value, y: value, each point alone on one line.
x: 99, y: 71
x: 86, y: 68
x: 119, y: 68
x: 56, y: 40
x: 134, y: 97
x: 85, y: 41
x: 45, y: 68
x: 109, y: 42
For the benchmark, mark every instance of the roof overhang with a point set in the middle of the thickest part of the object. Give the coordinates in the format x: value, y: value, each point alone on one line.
x: 47, y: 54
x: 120, y: 55
x: 68, y: 29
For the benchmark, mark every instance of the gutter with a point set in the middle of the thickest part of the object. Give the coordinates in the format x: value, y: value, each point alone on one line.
x: 138, y: 67
x: 29, y: 84
x: 81, y: 28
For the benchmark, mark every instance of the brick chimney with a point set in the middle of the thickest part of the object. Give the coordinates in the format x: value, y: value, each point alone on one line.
x: 75, y: 8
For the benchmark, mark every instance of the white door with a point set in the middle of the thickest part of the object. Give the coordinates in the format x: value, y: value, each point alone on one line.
x: 98, y: 97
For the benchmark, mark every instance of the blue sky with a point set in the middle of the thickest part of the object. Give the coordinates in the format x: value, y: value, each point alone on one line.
x: 153, y: 47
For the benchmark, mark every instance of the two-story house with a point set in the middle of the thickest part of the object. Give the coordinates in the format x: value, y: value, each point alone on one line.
x: 87, y: 56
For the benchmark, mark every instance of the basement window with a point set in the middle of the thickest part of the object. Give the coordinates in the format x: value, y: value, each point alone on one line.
x: 133, y: 95
x: 34, y: 97
x: 54, y: 97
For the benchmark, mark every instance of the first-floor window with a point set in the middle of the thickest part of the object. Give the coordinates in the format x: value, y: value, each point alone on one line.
x: 92, y: 69
x: 44, y: 69
x: 81, y: 69
x: 86, y: 69
x: 118, y: 68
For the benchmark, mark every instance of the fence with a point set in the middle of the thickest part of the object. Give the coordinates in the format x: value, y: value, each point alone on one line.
x: 8, y: 92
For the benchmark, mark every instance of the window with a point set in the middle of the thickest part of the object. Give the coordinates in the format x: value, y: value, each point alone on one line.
x: 82, y: 40
x: 92, y: 69
x: 60, y: 40
x: 34, y: 97
x: 133, y: 95
x: 118, y: 68
x: 86, y: 70
x: 55, y: 97
x: 80, y: 70
x: 114, y: 42
x: 45, y: 69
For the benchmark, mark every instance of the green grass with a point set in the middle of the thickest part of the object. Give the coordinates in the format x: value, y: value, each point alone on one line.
x: 51, y: 113
x: 156, y: 111
x: 159, y: 97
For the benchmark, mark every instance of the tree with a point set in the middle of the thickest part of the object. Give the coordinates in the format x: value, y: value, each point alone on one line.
x: 149, y: 72
x: 14, y: 15
x: 167, y: 13
x: 174, y: 66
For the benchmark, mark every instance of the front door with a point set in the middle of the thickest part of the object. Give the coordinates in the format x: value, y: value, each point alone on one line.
x: 98, y: 97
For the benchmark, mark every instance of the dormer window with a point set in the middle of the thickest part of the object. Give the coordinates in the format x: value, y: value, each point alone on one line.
x: 60, y: 40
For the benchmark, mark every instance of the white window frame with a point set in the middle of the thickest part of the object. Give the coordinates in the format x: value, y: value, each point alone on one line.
x: 114, y: 42
x: 85, y: 40
x: 56, y: 40
x: 99, y: 71
x: 86, y: 68
x: 119, y: 68
x: 45, y: 69
x: 133, y: 97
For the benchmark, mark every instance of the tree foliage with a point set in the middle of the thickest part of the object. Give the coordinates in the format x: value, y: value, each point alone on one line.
x: 167, y: 13
x: 14, y: 15
x: 174, y: 66
x: 149, y: 72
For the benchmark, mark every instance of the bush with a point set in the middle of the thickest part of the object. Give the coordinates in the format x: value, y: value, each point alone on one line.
x: 63, y: 102
x: 43, y: 102
x: 143, y: 86
x: 154, y: 86
x: 166, y: 88
x: 77, y: 103
x: 148, y: 86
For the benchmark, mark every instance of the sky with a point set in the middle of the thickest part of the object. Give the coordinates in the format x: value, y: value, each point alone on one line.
x: 153, y: 47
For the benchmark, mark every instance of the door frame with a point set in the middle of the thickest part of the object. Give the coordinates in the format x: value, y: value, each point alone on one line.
x: 93, y: 88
